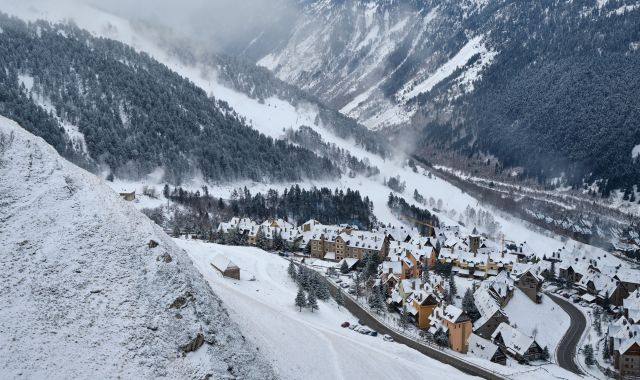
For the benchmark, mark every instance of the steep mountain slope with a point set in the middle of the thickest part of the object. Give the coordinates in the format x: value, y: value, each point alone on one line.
x: 83, y: 295
x: 101, y: 103
x: 541, y: 86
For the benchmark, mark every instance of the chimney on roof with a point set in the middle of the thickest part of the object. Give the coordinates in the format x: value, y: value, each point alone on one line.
x: 413, y: 284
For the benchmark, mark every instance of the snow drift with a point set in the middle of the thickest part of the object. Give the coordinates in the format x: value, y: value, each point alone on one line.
x: 83, y: 293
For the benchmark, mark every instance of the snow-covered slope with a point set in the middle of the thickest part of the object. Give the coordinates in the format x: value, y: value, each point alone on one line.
x: 306, y: 343
x: 83, y: 296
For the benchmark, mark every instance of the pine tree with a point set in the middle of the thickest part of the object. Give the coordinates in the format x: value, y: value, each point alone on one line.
x: 292, y: 270
x: 344, y: 268
x: 545, y: 353
x: 376, y: 302
x: 425, y: 272
x: 588, y: 355
x: 357, y: 282
x: 301, y: 300
x: 278, y: 242
x: 441, y: 338
x: 404, y: 317
x: 469, y: 306
x: 302, y: 277
x: 312, y: 301
x: 605, y: 349
x: 307, y: 249
x: 453, y: 290
x: 322, y: 290
x: 339, y: 298
x: 261, y: 241
x: 597, y: 325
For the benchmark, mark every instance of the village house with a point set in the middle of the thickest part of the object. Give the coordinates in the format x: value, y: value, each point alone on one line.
x: 530, y: 283
x: 225, y: 266
x: 627, y: 359
x: 628, y: 278
x: 128, y: 195
x: 517, y: 344
x: 491, y: 314
x: 455, y: 323
x: 631, y: 307
x: 619, y: 332
x: 419, y: 299
x: 602, y: 286
x: 484, y: 349
x: 500, y: 287
x: 572, y: 272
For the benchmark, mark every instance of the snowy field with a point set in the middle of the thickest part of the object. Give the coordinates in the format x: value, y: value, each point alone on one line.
x: 304, y: 342
x: 546, y: 322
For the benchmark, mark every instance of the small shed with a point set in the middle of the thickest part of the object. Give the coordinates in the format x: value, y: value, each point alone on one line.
x: 225, y: 266
x: 128, y: 195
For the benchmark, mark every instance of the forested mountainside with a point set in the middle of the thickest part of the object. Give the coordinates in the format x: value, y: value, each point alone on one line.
x: 98, y: 102
x: 548, y: 86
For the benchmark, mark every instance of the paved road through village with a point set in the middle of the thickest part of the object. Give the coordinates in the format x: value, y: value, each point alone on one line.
x: 566, y: 351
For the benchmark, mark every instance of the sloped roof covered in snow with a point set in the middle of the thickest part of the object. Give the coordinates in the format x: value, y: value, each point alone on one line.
x: 222, y: 263
x: 514, y: 340
x: 481, y: 348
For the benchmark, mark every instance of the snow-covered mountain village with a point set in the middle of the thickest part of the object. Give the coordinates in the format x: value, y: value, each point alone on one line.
x: 320, y: 189
x: 453, y: 289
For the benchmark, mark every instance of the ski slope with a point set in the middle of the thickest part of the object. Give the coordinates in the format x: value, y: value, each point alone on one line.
x: 306, y: 343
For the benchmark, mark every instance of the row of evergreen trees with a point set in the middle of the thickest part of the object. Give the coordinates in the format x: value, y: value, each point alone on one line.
x: 413, y: 214
x: 203, y: 212
x: 312, y: 283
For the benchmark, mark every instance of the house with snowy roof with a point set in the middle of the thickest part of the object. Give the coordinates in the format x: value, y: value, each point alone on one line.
x: 453, y: 321
x: 225, y: 266
x: 602, y: 286
x: 529, y: 281
x: 517, y: 344
x: 491, y: 314
x: 485, y: 349
x: 627, y: 359
x: 631, y: 307
x: 623, y: 338
x: 629, y: 278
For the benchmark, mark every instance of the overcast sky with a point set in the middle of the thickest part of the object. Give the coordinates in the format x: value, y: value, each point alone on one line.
x: 215, y: 22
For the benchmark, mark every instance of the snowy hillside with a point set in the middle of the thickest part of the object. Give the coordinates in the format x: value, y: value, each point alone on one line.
x: 84, y: 296
x: 305, y: 342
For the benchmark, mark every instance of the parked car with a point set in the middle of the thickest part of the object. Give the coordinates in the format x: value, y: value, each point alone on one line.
x: 361, y: 322
x: 575, y: 299
x: 387, y: 338
x: 352, y: 291
x: 353, y: 327
x: 345, y: 324
x: 338, y: 281
x: 373, y: 333
x: 565, y: 295
x: 344, y: 285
